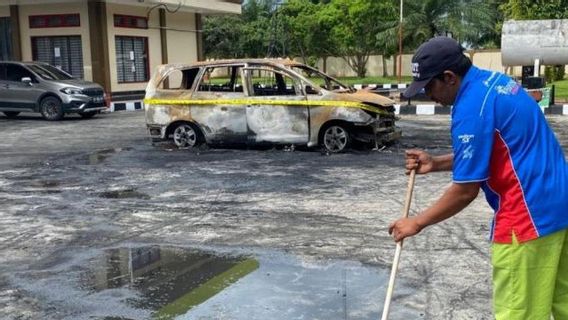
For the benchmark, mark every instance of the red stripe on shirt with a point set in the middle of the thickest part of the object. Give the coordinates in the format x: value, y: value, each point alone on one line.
x: 513, y: 214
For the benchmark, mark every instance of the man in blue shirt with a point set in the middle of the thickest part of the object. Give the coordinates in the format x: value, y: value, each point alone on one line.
x: 502, y: 144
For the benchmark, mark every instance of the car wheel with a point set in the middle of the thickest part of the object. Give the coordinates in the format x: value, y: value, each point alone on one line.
x: 88, y: 115
x: 185, y: 136
x: 11, y: 114
x: 51, y: 109
x: 335, y: 138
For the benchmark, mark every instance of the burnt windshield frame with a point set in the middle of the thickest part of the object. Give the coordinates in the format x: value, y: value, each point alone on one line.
x: 328, y: 81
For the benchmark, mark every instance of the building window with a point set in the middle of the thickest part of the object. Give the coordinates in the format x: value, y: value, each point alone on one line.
x: 55, y: 21
x: 63, y: 52
x: 132, y: 59
x: 5, y: 39
x: 123, y: 21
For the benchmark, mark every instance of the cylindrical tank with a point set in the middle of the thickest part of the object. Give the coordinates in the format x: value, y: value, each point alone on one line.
x: 524, y: 41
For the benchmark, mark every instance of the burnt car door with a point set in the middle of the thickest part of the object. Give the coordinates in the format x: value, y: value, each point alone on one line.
x: 277, y: 111
x: 222, y: 117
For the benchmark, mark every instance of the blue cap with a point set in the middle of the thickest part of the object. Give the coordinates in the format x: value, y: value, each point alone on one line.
x: 432, y: 58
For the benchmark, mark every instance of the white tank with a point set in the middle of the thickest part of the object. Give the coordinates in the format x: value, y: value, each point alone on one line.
x: 522, y: 42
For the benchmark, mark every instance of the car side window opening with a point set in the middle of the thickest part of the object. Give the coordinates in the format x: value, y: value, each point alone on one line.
x: 16, y: 73
x: 267, y: 82
x: 221, y: 79
x: 179, y: 79
x: 48, y: 72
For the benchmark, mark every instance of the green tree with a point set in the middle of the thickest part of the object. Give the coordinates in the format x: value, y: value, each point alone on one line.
x: 466, y: 21
x: 222, y: 36
x: 306, y: 30
x: 239, y: 36
x: 356, y: 24
x: 388, y: 42
x: 535, y: 9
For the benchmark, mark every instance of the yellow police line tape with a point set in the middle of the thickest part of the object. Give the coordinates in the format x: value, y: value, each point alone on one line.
x: 225, y: 102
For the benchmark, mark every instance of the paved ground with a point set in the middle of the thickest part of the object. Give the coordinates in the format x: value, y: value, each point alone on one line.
x: 89, y: 185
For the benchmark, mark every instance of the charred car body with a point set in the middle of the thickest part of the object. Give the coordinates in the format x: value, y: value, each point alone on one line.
x: 257, y: 101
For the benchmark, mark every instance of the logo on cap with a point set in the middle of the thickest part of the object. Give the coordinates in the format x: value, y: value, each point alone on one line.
x: 415, y: 72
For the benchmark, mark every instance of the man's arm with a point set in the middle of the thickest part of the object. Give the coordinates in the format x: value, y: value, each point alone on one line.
x: 443, y: 162
x: 455, y: 199
x: 423, y: 162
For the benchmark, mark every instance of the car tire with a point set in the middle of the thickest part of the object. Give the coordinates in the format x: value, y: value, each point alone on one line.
x: 11, y: 114
x: 51, y: 109
x: 335, y: 138
x: 186, y: 135
x: 88, y: 115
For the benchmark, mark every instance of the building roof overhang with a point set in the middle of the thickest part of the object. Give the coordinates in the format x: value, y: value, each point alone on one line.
x: 195, y: 6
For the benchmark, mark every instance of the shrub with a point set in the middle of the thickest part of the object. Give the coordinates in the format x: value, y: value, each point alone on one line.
x: 554, y: 73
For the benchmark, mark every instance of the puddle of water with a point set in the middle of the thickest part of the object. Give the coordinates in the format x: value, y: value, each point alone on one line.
x: 170, y: 281
x: 123, y: 194
x: 183, y: 283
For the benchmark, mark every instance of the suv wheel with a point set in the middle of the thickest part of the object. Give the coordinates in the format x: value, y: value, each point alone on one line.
x: 88, y: 115
x: 335, y: 138
x: 51, y: 108
x: 185, y: 136
x: 11, y: 114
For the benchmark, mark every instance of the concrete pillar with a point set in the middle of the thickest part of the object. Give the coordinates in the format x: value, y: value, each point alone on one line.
x: 99, y: 43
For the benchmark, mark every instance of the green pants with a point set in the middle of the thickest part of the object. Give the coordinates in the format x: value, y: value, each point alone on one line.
x: 530, y: 279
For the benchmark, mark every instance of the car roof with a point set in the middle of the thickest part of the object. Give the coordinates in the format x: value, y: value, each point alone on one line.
x: 269, y: 61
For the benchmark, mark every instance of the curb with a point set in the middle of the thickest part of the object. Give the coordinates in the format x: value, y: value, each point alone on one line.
x: 422, y: 109
x: 403, y: 109
x: 434, y: 109
x: 381, y: 86
x: 126, y: 106
x: 556, y: 109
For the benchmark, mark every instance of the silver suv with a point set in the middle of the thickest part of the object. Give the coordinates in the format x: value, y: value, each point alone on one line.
x: 40, y: 87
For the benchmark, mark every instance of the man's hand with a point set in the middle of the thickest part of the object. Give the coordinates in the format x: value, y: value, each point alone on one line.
x: 418, y: 160
x: 405, y: 227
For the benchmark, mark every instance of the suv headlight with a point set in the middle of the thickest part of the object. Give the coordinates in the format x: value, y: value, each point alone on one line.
x: 71, y: 91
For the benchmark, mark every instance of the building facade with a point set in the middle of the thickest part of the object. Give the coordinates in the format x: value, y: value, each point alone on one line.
x: 116, y: 43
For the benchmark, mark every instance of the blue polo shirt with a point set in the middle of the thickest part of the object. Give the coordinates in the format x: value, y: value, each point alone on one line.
x: 501, y: 139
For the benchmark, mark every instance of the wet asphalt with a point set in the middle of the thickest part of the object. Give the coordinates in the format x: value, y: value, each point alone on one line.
x: 99, y: 223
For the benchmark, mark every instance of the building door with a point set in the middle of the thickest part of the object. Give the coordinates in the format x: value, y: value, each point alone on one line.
x: 5, y: 39
x: 63, y: 52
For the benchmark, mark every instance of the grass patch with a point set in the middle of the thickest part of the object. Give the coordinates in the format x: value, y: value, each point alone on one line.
x: 561, y: 90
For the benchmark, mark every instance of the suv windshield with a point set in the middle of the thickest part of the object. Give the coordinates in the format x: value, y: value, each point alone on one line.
x: 48, y: 72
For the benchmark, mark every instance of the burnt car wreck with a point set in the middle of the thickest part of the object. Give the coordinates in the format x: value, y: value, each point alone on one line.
x: 260, y: 101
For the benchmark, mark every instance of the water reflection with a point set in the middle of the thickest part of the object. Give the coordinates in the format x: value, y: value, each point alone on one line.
x: 285, y: 287
x: 170, y: 280
x: 185, y: 283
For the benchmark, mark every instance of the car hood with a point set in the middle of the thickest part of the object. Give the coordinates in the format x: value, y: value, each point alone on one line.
x: 80, y: 84
x: 365, y: 96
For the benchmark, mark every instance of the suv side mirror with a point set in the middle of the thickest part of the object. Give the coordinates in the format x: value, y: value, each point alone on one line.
x: 27, y: 80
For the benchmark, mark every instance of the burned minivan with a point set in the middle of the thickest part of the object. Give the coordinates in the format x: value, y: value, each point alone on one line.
x: 259, y: 101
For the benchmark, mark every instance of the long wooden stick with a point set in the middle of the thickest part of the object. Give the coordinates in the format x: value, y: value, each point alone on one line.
x: 394, y: 269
